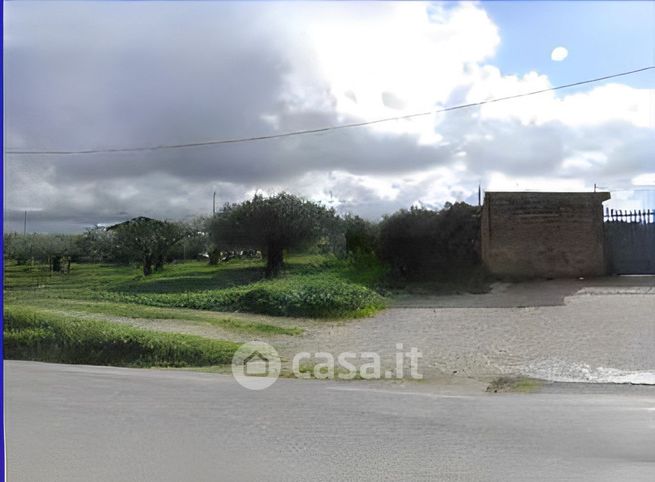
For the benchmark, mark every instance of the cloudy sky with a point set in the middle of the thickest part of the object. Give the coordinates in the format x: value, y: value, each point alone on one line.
x: 99, y: 75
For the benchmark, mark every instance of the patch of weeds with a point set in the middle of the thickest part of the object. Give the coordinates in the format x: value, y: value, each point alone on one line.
x: 254, y: 328
x: 514, y: 384
x: 473, y: 280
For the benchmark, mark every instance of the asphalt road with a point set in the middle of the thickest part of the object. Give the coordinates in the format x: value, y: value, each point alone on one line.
x: 70, y: 423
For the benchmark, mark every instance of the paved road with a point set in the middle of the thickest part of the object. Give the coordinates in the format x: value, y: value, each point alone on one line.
x: 78, y: 423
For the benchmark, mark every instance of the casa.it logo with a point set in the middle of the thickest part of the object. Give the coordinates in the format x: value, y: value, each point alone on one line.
x: 256, y: 365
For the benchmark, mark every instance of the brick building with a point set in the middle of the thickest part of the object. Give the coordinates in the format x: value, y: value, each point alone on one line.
x: 543, y: 234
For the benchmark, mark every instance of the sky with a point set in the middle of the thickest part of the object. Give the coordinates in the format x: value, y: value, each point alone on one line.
x: 99, y: 75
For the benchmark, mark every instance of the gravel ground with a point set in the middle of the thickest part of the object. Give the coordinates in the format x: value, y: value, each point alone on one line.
x: 600, y: 330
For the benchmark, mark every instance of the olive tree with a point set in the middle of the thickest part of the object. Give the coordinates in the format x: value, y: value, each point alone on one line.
x: 50, y: 248
x: 148, y: 239
x: 196, y: 243
x: 97, y: 244
x: 271, y: 225
x: 361, y: 236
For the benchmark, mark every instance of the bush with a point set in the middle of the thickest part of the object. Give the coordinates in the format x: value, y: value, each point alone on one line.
x: 314, y: 297
x: 421, y: 243
x: 30, y: 335
x: 319, y: 296
x: 361, y: 236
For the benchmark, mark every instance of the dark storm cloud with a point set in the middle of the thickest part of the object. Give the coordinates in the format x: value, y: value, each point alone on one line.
x: 105, y: 75
x: 100, y: 75
x: 128, y: 83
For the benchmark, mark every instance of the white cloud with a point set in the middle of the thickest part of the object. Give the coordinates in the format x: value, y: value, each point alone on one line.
x: 403, y: 52
x: 645, y: 179
x: 599, y: 105
x: 558, y: 54
x: 501, y: 182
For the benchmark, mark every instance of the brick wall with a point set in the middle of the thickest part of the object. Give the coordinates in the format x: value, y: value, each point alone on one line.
x: 558, y: 235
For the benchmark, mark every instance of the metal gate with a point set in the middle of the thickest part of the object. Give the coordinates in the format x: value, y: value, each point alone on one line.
x: 630, y: 241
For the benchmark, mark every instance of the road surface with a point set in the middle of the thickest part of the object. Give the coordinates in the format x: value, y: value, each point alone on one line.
x: 80, y: 423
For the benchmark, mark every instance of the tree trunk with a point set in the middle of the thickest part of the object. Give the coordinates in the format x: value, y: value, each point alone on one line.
x: 159, y: 264
x: 56, y: 264
x: 147, y: 265
x: 274, y: 258
x: 214, y: 256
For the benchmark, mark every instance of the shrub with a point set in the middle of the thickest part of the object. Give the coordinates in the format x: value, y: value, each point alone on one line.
x: 361, y: 236
x: 30, y: 335
x: 421, y: 243
x: 319, y: 296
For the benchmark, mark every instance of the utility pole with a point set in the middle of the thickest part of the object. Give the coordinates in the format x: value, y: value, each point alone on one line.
x: 479, y: 195
x: 25, y: 224
x: 214, y: 205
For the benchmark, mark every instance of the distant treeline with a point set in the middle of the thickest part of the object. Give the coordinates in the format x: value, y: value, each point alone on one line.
x: 146, y: 241
x: 416, y: 243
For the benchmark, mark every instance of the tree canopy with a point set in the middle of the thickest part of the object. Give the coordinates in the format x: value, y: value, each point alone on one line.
x: 271, y: 225
x: 40, y: 247
x: 361, y: 236
x: 149, y: 239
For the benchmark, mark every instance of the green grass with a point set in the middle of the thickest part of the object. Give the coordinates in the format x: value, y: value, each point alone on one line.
x: 126, y: 310
x: 317, y: 296
x: 255, y: 328
x: 82, y: 275
x: 29, y: 335
x: 312, y: 286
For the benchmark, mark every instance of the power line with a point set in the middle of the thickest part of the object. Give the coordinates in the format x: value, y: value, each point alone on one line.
x: 328, y: 128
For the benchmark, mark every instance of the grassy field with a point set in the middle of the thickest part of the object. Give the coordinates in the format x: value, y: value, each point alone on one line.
x: 312, y: 286
x: 38, y: 335
x: 45, y: 309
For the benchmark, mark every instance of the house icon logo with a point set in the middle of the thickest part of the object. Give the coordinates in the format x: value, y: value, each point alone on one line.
x: 256, y: 365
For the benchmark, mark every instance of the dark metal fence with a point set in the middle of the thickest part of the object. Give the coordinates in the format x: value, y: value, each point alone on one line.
x: 643, y: 216
x: 630, y: 241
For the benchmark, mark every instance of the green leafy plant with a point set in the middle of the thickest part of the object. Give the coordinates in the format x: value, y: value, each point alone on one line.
x: 316, y: 296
